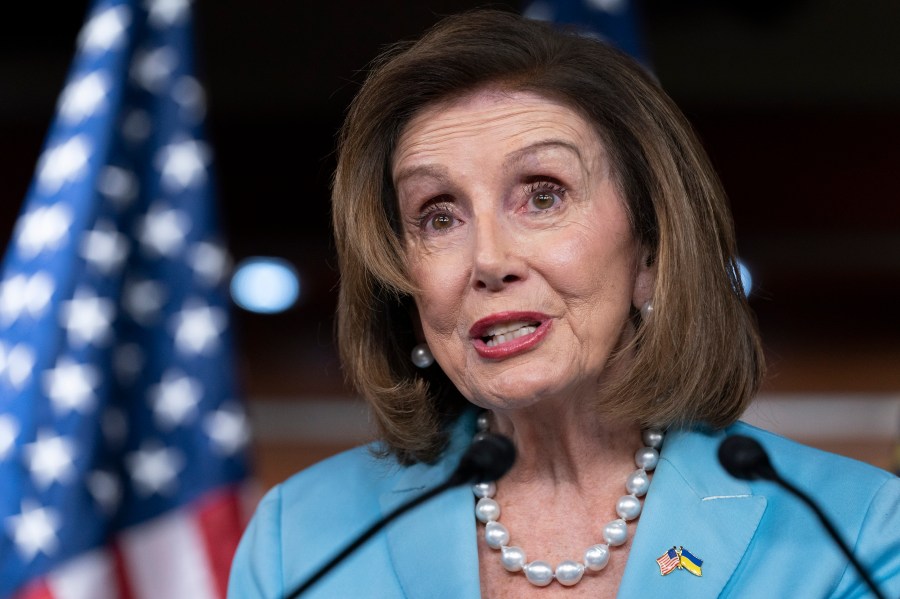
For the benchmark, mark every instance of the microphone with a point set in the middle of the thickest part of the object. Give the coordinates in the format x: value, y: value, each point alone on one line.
x: 488, y: 458
x: 744, y: 458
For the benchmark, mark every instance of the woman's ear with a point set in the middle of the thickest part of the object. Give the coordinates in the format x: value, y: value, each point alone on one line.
x: 645, y: 279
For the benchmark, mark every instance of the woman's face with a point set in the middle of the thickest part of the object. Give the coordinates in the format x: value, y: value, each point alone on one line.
x: 520, y: 244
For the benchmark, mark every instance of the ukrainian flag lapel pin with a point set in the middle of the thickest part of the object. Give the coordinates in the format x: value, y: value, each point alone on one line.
x: 679, y: 558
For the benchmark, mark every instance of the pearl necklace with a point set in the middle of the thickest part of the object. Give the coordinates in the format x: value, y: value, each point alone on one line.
x: 615, y: 533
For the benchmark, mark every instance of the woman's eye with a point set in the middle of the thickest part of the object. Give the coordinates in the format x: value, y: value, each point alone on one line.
x: 543, y: 200
x: 440, y: 222
x: 544, y: 195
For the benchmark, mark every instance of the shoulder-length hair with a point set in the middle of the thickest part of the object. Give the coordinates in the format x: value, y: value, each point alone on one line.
x: 696, y: 359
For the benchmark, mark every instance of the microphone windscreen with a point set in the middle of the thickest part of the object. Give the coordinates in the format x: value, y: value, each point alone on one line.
x: 743, y: 457
x: 487, y: 459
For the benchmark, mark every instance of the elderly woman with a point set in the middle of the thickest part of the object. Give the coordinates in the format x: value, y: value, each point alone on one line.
x: 533, y: 243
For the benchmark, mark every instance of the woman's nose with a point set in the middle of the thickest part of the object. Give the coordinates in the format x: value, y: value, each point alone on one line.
x: 498, y: 259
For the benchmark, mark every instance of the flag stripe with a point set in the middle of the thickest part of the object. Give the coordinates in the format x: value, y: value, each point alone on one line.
x: 165, y: 558
x: 221, y: 521
x: 119, y: 409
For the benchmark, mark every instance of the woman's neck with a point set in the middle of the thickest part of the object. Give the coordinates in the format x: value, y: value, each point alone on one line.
x: 565, y: 444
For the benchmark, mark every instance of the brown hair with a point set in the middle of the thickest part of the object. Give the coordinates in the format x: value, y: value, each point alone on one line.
x: 698, y: 359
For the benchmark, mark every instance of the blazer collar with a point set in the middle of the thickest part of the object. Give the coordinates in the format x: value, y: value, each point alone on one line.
x: 434, y: 546
x: 694, y: 503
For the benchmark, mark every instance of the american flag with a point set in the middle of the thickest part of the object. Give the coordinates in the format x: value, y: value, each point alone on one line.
x: 123, y: 441
x: 668, y: 561
x: 617, y: 22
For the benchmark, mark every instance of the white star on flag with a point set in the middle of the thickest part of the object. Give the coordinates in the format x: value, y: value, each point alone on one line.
x: 190, y: 96
x: 174, y: 399
x: 162, y: 230
x: 210, y: 261
x: 154, y: 469
x: 34, y: 530
x: 49, y: 459
x: 228, y: 429
x: 128, y: 360
x: 610, y: 6
x: 22, y: 293
x: 83, y: 97
x: 87, y: 318
x: 118, y: 185
x: 9, y: 428
x: 43, y: 228
x: 70, y: 386
x: 164, y: 13
x: 152, y: 68
x: 105, y: 30
x: 183, y: 164
x: 143, y: 300
x: 16, y: 364
x: 63, y: 163
x: 136, y: 126
x: 197, y: 327
x: 104, y: 247
x: 106, y: 489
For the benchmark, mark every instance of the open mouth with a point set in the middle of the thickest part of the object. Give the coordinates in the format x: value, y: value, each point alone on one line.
x: 503, y: 333
x: 506, y: 334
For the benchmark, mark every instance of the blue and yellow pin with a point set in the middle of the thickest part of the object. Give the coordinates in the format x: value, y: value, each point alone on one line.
x: 679, y: 558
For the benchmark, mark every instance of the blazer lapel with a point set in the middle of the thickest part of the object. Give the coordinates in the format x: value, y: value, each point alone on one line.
x: 693, y: 503
x: 433, y: 546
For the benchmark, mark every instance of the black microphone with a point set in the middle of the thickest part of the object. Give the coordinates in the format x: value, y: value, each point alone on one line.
x: 488, y: 458
x: 744, y: 458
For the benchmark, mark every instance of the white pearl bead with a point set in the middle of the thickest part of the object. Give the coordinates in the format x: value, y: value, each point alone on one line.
x: 512, y: 558
x: 637, y: 483
x: 652, y: 437
x: 628, y: 507
x: 539, y: 573
x: 647, y: 310
x: 495, y: 535
x: 646, y: 458
x: 569, y: 572
x: 483, y: 422
x: 597, y: 557
x: 484, y: 489
x: 487, y: 510
x: 421, y: 356
x: 615, y: 532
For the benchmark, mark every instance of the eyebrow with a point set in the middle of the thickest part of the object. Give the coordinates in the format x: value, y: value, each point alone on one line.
x: 430, y: 171
x: 440, y: 173
x: 520, y: 154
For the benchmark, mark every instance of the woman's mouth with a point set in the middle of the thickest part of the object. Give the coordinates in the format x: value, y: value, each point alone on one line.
x: 502, y: 333
x: 507, y: 334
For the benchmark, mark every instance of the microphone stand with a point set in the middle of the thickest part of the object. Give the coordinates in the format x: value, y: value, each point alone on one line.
x: 743, y: 457
x: 365, y: 536
x: 487, y: 459
x: 774, y: 476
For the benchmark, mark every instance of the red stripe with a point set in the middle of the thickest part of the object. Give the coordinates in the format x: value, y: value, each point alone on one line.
x: 221, y: 518
x: 35, y: 590
x: 121, y: 572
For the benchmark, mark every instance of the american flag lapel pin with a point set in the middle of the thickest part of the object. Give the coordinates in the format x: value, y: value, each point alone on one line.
x: 679, y: 558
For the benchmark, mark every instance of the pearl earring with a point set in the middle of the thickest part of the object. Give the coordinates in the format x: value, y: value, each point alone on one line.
x: 421, y: 356
x: 646, y: 310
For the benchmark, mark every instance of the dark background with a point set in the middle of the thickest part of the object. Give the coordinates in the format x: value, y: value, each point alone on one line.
x: 797, y: 102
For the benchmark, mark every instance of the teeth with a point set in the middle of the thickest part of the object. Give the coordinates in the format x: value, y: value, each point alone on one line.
x: 499, y: 329
x: 509, y: 336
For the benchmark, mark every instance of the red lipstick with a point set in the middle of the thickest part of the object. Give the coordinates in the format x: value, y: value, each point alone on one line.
x: 481, y: 333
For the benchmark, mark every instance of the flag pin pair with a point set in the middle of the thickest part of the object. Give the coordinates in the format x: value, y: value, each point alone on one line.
x: 679, y: 558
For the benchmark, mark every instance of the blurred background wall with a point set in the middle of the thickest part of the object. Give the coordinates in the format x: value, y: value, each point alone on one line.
x: 797, y: 102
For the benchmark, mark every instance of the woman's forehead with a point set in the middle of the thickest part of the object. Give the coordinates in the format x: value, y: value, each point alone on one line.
x: 511, y: 119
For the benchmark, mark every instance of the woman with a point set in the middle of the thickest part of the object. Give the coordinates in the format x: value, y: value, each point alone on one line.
x: 528, y: 213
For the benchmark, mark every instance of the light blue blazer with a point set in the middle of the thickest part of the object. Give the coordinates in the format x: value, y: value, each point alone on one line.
x: 755, y: 539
